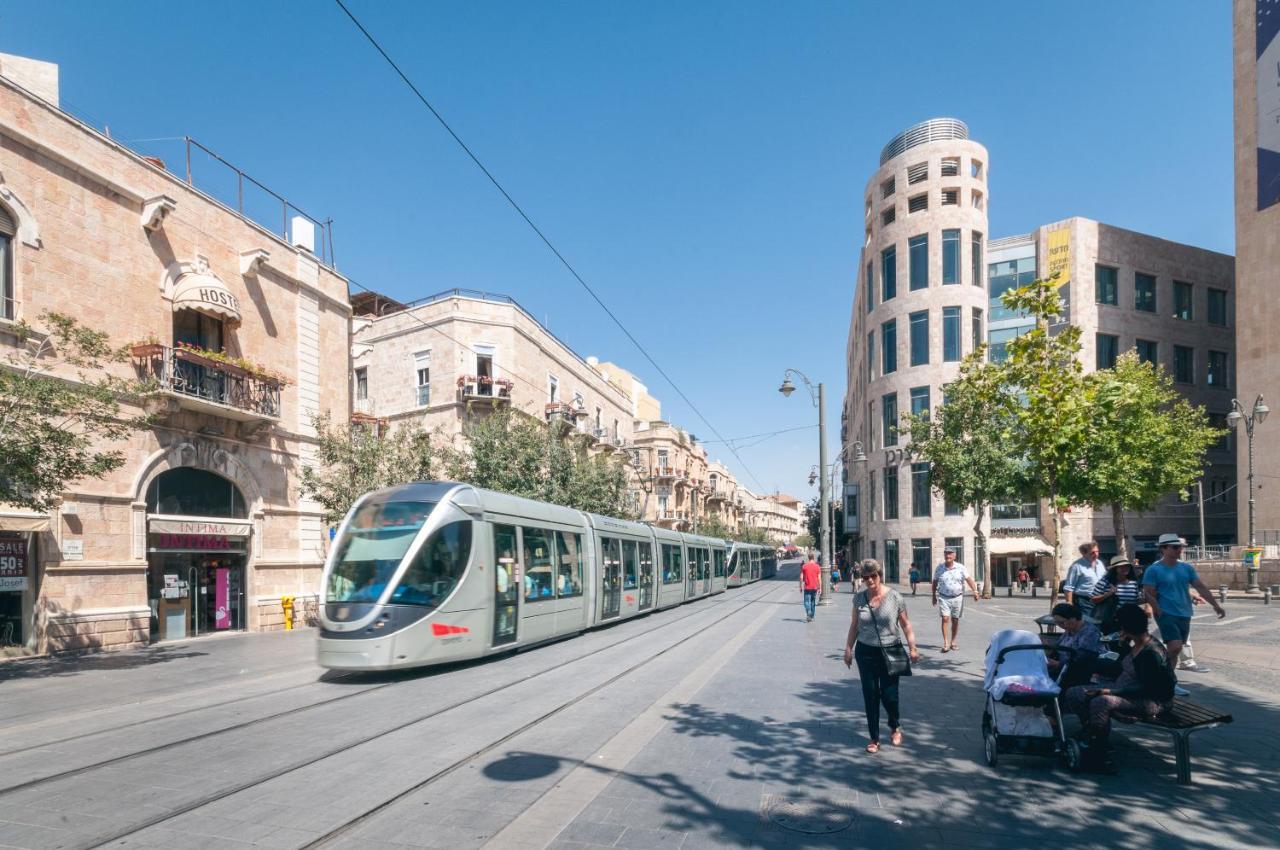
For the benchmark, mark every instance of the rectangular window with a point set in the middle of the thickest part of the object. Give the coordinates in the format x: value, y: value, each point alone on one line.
x: 918, y: 173
x: 553, y: 389
x: 888, y: 273
x: 950, y: 334
x: 918, y: 203
x: 1218, y: 307
x: 922, y: 555
x: 570, y: 554
x: 920, y: 338
x: 887, y: 187
x: 891, y: 492
x: 870, y: 285
x: 951, y: 197
x: 921, y: 498
x: 889, y: 418
x: 1216, y: 375
x: 976, y: 199
x: 1108, y: 349
x: 539, y: 557
x: 950, y: 257
x: 1104, y: 285
x: 672, y: 565
x: 891, y: 566
x: 956, y: 543
x: 1144, y: 292
x: 919, y: 400
x: 888, y: 216
x: 918, y: 261
x: 1182, y: 295
x: 1148, y: 351
x: 951, y: 166
x: 8, y: 308
x: 889, y: 347
x: 362, y: 384
x: 871, y: 354
x: 872, y: 505
x: 975, y: 259
x: 977, y: 328
x: 950, y: 508
x: 975, y: 169
x: 422, y: 373
x: 1184, y: 364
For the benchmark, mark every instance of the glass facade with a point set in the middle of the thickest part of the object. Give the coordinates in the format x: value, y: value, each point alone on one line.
x: 918, y: 259
x: 888, y: 273
x: 920, y: 338
x: 921, y: 499
x: 950, y: 257
x: 1144, y: 292
x: 977, y: 329
x: 950, y: 334
x: 1007, y: 275
x: 889, y: 414
x: 919, y: 400
x: 889, y: 347
x: 921, y: 556
x: 1000, y: 338
x: 891, y: 492
x: 1106, y: 285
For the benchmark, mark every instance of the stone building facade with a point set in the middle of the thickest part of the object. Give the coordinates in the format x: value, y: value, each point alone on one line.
x: 202, y: 529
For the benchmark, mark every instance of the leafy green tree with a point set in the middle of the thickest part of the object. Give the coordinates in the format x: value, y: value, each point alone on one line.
x: 357, y: 458
x: 59, y: 409
x: 969, y: 443
x: 713, y: 526
x: 1145, y: 441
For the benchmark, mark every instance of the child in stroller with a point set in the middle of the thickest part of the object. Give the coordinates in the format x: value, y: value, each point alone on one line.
x: 1023, y: 715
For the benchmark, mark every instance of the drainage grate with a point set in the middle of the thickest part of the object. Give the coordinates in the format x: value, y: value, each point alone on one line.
x: 814, y: 817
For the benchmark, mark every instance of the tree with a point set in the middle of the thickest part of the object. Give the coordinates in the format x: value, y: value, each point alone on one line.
x: 357, y: 458
x: 55, y: 422
x: 968, y: 443
x: 1146, y: 440
x: 713, y: 526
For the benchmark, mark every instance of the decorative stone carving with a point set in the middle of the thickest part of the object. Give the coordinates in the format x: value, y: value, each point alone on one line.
x: 154, y: 211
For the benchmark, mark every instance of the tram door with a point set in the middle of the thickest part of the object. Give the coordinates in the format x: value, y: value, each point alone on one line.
x: 706, y: 571
x: 691, y: 573
x: 610, y: 577
x: 648, y: 577
x: 506, y: 595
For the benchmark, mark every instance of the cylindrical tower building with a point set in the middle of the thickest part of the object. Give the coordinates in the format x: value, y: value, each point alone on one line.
x: 919, y: 310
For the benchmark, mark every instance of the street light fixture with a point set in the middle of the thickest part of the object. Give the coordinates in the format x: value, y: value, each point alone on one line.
x: 1256, y: 417
x: 859, y: 456
x: 787, y: 388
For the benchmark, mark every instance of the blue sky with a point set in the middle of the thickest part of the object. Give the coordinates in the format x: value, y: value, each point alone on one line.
x: 700, y: 164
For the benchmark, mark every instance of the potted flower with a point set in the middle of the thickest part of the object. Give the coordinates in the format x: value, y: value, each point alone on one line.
x: 148, y: 346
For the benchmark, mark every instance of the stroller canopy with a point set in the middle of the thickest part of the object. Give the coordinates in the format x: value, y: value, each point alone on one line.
x: 1028, y: 669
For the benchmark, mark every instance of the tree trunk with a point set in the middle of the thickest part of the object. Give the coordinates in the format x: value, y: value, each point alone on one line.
x: 986, y: 556
x: 1117, y: 524
x: 1057, y: 551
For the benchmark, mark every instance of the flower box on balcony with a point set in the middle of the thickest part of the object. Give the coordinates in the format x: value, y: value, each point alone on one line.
x: 146, y: 349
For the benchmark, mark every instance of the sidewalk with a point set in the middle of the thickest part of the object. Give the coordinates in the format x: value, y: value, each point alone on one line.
x: 769, y: 753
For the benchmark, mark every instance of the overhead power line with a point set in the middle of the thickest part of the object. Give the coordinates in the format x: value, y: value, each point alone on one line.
x: 542, y: 236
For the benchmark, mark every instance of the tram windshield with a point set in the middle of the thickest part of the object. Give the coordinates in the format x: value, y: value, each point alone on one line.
x: 373, y: 545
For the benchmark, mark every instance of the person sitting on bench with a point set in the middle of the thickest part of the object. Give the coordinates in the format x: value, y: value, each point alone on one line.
x: 1145, y: 686
x: 1082, y: 638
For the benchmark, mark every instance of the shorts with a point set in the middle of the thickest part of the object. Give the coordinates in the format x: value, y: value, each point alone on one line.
x: 951, y: 606
x: 1173, y: 628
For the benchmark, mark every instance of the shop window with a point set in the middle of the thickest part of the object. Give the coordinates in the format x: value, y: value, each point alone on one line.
x: 187, y: 491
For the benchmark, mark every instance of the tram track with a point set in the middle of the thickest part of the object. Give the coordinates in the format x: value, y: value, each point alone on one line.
x: 346, y: 826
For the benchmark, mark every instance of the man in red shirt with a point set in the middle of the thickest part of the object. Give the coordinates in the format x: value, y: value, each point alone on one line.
x: 810, y: 581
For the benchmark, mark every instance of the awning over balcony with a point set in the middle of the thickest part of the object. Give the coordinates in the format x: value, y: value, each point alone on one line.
x: 206, y: 294
x: 1027, y: 545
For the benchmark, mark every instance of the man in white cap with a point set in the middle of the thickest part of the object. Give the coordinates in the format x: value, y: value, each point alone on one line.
x: 949, y: 579
x: 1167, y: 585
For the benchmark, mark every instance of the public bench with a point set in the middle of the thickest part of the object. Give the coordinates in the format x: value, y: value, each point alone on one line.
x: 1183, y: 718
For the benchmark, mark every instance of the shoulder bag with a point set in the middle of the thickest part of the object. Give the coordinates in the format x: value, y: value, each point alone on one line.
x: 896, y: 658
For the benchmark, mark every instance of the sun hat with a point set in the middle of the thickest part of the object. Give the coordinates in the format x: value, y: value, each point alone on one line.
x: 1170, y: 540
x: 1118, y: 560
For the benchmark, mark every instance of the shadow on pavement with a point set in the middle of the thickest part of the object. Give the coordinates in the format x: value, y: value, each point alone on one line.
x: 73, y: 664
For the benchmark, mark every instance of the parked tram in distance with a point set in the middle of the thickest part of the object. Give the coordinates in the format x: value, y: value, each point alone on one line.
x: 435, y: 572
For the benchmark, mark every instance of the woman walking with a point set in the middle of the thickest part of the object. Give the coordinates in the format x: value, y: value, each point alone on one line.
x: 879, y: 621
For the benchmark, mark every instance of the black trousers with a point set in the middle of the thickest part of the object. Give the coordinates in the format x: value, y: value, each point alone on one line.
x: 877, y: 687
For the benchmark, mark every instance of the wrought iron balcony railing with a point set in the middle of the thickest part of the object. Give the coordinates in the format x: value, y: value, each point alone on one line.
x: 207, y: 385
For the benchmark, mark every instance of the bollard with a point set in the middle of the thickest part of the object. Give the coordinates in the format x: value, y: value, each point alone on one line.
x: 1222, y: 594
x: 1266, y: 596
x: 1010, y: 591
x: 286, y: 603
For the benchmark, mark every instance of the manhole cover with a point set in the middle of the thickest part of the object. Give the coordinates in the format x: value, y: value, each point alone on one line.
x: 814, y: 817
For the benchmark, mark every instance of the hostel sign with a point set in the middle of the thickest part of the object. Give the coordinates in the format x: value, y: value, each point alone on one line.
x: 13, y: 563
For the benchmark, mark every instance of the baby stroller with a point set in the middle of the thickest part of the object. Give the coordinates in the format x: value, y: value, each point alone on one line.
x: 1019, y: 689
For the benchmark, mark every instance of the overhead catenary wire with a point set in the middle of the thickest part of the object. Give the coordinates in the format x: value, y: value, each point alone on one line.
x: 542, y: 236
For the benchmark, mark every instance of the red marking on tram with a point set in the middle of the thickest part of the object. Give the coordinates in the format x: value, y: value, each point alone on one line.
x: 440, y: 629
x: 630, y: 598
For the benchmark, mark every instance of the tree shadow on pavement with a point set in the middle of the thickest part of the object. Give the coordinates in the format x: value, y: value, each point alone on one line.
x: 73, y: 664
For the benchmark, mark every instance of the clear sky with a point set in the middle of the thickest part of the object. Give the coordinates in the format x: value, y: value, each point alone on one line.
x: 702, y: 164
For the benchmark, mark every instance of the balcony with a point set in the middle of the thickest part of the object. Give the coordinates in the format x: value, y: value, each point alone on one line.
x: 193, y: 380
x: 476, y: 389
x: 559, y: 410
x: 717, y: 496
x: 664, y: 471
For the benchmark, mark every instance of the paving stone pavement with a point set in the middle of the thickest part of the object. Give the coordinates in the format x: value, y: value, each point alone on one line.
x: 747, y: 731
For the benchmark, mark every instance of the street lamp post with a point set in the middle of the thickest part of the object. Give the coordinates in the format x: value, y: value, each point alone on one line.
x: 859, y: 456
x: 819, y: 401
x: 1256, y: 417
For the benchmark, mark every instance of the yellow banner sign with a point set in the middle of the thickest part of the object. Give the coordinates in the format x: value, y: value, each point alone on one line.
x: 1060, y: 254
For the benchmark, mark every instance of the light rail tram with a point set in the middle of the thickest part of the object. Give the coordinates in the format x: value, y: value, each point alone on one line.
x: 434, y: 572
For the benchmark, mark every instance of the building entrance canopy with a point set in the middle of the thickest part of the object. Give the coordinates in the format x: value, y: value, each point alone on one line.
x: 1027, y: 545
x: 21, y: 521
x: 206, y: 294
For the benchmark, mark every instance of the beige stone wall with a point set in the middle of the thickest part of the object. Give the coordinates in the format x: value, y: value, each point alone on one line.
x: 83, y: 250
x: 1257, y: 259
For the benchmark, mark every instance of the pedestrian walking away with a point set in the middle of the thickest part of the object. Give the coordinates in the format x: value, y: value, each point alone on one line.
x: 876, y: 635
x: 949, y: 580
x: 1024, y: 579
x: 1167, y: 585
x: 914, y: 575
x: 1082, y: 575
x: 810, y: 581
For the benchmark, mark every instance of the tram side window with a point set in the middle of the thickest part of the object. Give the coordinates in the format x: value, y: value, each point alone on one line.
x: 630, y: 568
x: 438, y: 567
x: 732, y: 565
x: 704, y: 564
x: 671, y: 565
x: 719, y: 565
x: 539, y: 555
x: 646, y: 564
x: 569, y: 577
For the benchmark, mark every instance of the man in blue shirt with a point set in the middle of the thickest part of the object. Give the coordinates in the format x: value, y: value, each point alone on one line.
x: 1085, y: 572
x: 1167, y: 585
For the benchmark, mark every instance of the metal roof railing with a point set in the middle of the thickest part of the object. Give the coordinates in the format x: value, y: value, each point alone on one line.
x: 933, y: 130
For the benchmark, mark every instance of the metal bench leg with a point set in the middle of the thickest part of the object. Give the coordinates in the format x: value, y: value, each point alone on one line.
x: 1182, y: 755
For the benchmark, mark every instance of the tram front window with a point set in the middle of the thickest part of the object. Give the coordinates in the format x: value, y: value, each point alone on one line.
x: 437, y: 569
x: 371, y: 548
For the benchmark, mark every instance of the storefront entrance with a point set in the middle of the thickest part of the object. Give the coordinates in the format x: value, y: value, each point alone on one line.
x: 197, y: 554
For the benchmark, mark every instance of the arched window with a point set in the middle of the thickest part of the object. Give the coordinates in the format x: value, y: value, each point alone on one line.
x: 186, y: 491
x: 8, y: 229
